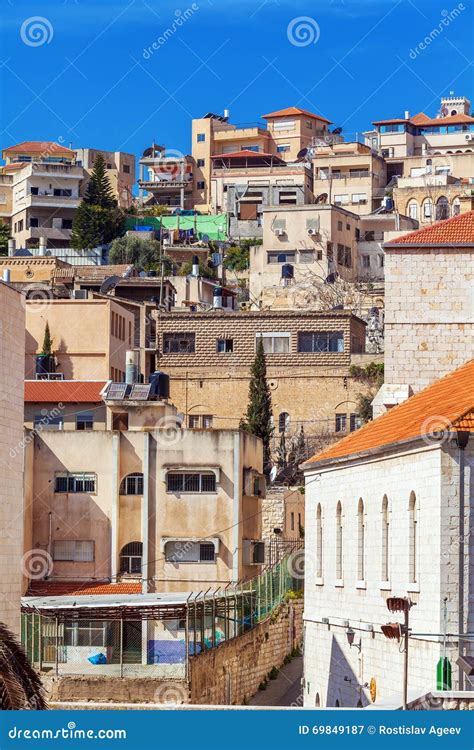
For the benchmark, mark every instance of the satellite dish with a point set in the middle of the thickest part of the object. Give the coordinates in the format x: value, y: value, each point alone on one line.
x: 273, y: 473
x: 336, y: 131
x: 108, y: 284
x: 301, y: 154
x: 323, y: 198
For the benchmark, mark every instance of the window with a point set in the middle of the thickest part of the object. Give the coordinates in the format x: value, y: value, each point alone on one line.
x: 283, y: 421
x: 442, y: 208
x: 341, y: 422
x: 413, y: 210
x: 73, y: 551
x: 338, y: 199
x: 193, y: 422
x: 201, y: 137
x: 339, y: 551
x: 427, y: 208
x: 359, y: 198
x: 85, y: 633
x: 84, y: 420
x: 132, y: 484
x: 412, y: 540
x: 251, y: 147
x: 207, y: 421
x: 131, y: 558
x: 284, y: 125
x: 344, y: 255
x: 66, y: 224
x: 385, y: 539
x: 283, y: 148
x: 320, y: 341
x: 224, y: 346
x: 34, y: 191
x: 186, y: 550
x: 201, y: 162
x: 456, y: 207
x: 187, y: 482
x: 201, y: 185
x: 339, y: 226
x: 204, y: 421
x: 126, y: 168
x: 354, y: 422
x: 275, y: 257
x: 48, y: 422
x: 179, y: 343
x: 34, y: 222
x: 365, y: 261
x: 381, y: 260
x: 274, y: 343
x: 306, y: 256
x: 80, y: 482
x: 360, y: 541
x: 120, y: 421
x: 319, y: 542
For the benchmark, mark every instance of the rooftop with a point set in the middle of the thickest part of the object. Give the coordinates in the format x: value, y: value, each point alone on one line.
x: 81, y: 588
x: 422, y: 120
x: 39, y: 147
x: 65, y: 391
x: 292, y: 111
x: 446, y: 405
x: 455, y: 232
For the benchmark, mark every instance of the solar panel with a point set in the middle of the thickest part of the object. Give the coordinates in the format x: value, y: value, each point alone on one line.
x: 140, y: 391
x: 117, y: 391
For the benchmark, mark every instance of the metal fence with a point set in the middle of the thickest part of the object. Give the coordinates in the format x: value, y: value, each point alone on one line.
x: 133, y: 642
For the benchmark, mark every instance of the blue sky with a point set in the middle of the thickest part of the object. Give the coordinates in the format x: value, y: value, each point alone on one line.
x: 92, y: 82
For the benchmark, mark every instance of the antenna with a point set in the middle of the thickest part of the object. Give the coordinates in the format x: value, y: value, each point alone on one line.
x: 108, y: 284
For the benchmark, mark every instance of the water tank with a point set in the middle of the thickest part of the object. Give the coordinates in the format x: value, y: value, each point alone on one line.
x: 287, y: 271
x: 217, y: 297
x: 160, y: 384
x: 387, y: 203
x: 195, y: 270
x: 131, y: 367
x: 44, y: 364
x: 6, y: 275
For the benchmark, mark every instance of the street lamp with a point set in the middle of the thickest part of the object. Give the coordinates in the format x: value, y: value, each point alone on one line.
x: 395, y: 630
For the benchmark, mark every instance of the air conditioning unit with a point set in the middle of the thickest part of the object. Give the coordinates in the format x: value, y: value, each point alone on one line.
x: 311, y: 231
x: 279, y: 232
x: 80, y: 294
x: 469, y: 137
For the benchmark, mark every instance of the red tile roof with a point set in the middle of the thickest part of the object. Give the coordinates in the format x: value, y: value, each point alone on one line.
x: 421, y: 120
x: 66, y: 391
x: 289, y: 111
x: 244, y: 153
x: 39, y: 147
x: 455, y: 232
x: 81, y: 588
x: 446, y: 405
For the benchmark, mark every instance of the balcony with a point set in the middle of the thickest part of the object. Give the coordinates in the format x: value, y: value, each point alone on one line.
x: 47, y: 200
x: 246, y: 131
x: 354, y: 175
x: 165, y: 185
x: 50, y: 233
x: 66, y: 171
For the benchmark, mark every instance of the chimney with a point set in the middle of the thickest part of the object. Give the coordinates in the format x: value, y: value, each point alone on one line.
x: 407, y: 114
x: 6, y: 275
x: 42, y: 246
x: 195, y: 270
x: 131, y: 367
x: 11, y: 247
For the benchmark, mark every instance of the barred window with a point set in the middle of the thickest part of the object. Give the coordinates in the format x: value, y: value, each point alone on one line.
x: 187, y: 482
x: 185, y: 551
x: 79, y: 482
x: 320, y: 341
x: 179, y: 343
x: 73, y: 551
x: 132, y: 484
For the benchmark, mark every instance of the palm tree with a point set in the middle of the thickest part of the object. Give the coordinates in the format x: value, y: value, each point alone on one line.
x: 20, y: 686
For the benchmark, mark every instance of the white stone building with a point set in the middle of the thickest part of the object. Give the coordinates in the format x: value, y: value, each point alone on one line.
x: 12, y: 355
x: 387, y: 514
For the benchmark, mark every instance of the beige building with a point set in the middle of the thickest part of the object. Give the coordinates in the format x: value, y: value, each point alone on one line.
x: 120, y: 168
x: 12, y: 565
x: 165, y: 178
x: 90, y: 337
x: 208, y: 356
x: 174, y: 509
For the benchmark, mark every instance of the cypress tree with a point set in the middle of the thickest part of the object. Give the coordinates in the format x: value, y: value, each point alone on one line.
x: 98, y: 220
x: 47, y: 342
x: 99, y: 190
x: 258, y: 418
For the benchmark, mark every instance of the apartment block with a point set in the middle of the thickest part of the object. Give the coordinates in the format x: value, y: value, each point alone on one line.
x: 165, y: 179
x: 12, y: 567
x: 120, y: 168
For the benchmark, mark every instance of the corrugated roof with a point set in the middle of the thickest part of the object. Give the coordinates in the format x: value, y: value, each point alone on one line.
x: 444, y: 405
x: 39, y: 147
x: 294, y: 111
x: 66, y: 391
x: 454, y: 232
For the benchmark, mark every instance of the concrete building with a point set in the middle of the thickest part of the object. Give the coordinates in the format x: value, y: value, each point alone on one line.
x: 12, y: 564
x: 429, y: 304
x: 145, y: 500
x: 208, y: 356
x: 120, y: 168
x: 90, y: 337
x: 387, y: 514
x: 45, y: 191
x: 65, y: 405
x: 165, y: 178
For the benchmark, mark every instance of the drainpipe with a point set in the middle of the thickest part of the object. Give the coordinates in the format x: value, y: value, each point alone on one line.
x: 462, y: 439
x: 114, y: 518
x: 236, y: 508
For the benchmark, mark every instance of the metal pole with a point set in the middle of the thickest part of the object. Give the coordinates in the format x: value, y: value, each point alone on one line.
x: 57, y: 645
x: 405, y: 660
x: 186, y: 640
x: 40, y: 642
x: 121, y: 645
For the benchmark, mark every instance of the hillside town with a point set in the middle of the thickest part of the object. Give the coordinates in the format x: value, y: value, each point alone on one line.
x: 237, y: 401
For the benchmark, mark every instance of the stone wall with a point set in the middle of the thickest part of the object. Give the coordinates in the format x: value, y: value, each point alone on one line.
x: 231, y: 673
x: 103, y: 689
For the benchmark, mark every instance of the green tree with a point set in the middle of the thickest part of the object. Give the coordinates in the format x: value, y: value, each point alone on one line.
x: 258, y: 418
x: 47, y: 349
x: 4, y: 237
x: 138, y: 252
x: 206, y: 271
x: 98, y: 220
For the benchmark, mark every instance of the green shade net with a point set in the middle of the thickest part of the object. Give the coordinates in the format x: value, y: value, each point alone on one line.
x: 214, y: 227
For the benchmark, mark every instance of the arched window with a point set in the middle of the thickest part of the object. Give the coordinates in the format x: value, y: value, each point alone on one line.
x: 429, y: 162
x: 413, y: 539
x: 456, y: 205
x: 132, y: 484
x: 319, y: 543
x: 427, y: 209
x: 283, y: 421
x: 412, y: 209
x: 339, y: 541
x: 131, y: 558
x: 360, y: 541
x: 442, y: 208
x: 385, y: 540
x: 317, y: 701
